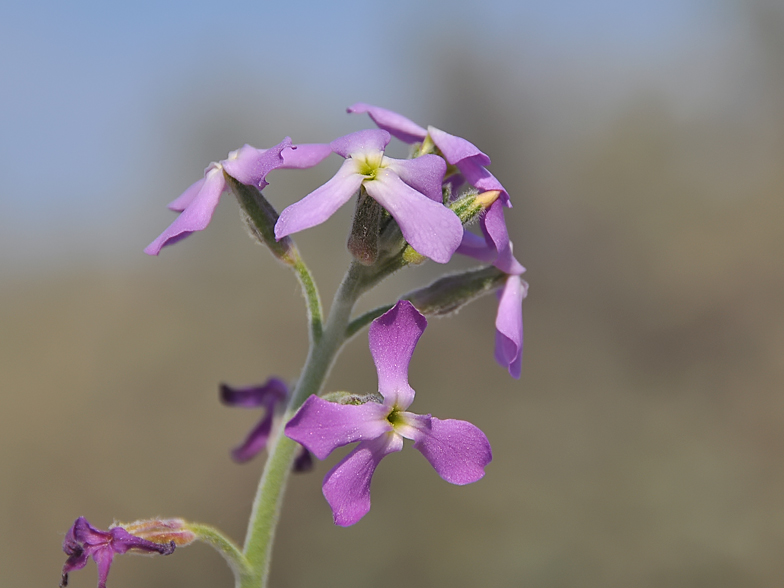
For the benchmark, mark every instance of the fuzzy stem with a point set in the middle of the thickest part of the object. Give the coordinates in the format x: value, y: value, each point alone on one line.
x: 269, y: 496
x: 223, y: 545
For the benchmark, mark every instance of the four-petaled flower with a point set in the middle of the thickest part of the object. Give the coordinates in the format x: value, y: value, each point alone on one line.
x: 410, y: 190
x: 270, y: 395
x: 464, y: 155
x: 457, y: 450
x: 247, y: 165
x: 84, y: 541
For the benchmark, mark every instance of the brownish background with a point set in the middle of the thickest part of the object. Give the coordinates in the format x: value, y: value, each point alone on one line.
x: 642, y: 447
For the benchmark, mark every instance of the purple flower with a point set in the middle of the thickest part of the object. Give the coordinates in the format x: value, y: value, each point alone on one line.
x: 410, y: 190
x: 496, y: 248
x: 270, y: 395
x: 457, y: 450
x: 247, y: 165
x: 457, y: 151
x: 84, y: 541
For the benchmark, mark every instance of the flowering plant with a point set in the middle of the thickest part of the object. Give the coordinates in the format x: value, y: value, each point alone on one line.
x: 407, y: 211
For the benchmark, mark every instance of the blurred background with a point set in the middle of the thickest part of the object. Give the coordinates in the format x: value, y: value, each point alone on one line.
x: 642, y: 143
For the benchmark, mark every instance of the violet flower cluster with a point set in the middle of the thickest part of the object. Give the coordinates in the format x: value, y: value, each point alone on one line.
x: 407, y: 211
x: 409, y: 190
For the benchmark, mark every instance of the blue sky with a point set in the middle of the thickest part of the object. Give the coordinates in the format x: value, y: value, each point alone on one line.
x: 81, y: 81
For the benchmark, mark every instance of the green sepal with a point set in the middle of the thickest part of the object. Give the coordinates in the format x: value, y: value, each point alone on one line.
x: 342, y: 397
x: 260, y: 218
x: 470, y: 205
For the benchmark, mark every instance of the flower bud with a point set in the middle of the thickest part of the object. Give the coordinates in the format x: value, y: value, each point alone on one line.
x: 363, y: 242
x: 161, y: 531
x: 470, y: 205
x: 449, y: 293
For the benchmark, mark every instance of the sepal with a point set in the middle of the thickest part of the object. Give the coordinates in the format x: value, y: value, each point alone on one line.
x: 260, y: 218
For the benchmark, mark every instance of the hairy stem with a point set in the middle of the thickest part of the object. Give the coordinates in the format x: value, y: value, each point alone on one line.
x: 269, y: 496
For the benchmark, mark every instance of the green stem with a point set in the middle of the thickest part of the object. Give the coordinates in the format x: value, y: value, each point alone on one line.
x: 312, y: 298
x: 269, y: 496
x: 223, y: 545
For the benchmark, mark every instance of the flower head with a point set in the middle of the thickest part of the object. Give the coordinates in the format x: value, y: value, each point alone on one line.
x: 247, y: 165
x: 464, y: 155
x: 271, y: 395
x: 457, y: 450
x: 84, y: 541
x: 410, y: 190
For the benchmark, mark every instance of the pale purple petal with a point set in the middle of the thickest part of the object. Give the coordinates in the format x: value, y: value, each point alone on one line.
x: 494, y: 228
x: 347, y: 485
x: 424, y: 174
x: 457, y: 450
x: 196, y: 217
x: 320, y: 204
x: 322, y: 426
x: 396, y: 124
x: 457, y: 149
x: 393, y: 337
x: 430, y: 227
x: 360, y: 142
x: 477, y: 247
x: 476, y: 175
x: 509, y: 325
x: 184, y: 200
x: 305, y: 155
x: 252, y: 165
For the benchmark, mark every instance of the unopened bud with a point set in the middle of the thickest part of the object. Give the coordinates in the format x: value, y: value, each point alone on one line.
x: 470, y: 205
x: 161, y: 531
x: 449, y: 293
x: 363, y: 242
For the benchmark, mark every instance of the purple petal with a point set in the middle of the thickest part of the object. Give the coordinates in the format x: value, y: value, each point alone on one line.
x: 273, y: 390
x: 197, y: 216
x: 359, y: 142
x: 431, y: 228
x: 424, y: 174
x: 494, y: 228
x: 256, y: 439
x: 184, y: 200
x: 396, y: 124
x: 320, y: 204
x: 457, y: 450
x: 123, y: 541
x: 480, y: 178
x: 250, y: 166
x: 303, y: 462
x: 509, y: 325
x: 305, y: 156
x: 321, y: 426
x: 457, y: 149
x: 347, y: 485
x: 477, y: 247
x: 393, y: 337
x: 103, y: 560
